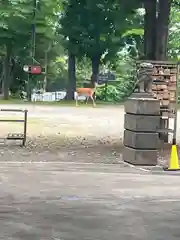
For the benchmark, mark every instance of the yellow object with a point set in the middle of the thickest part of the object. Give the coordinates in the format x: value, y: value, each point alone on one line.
x: 174, y: 161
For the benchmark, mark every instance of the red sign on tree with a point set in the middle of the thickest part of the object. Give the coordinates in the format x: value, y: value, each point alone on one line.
x: 35, y: 69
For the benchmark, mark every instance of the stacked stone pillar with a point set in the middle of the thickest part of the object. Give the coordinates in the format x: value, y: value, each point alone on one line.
x: 141, y: 138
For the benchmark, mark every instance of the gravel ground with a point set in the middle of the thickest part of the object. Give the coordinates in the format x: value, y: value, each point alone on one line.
x: 69, y: 134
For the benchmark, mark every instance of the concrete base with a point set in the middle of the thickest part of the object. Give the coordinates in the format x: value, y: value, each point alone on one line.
x: 141, y: 123
x: 141, y: 95
x: 143, y: 106
x: 140, y: 157
x: 141, y: 140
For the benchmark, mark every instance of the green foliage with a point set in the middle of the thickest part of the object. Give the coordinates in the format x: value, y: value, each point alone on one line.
x: 16, y: 19
x: 174, y: 34
x: 110, y: 93
x: 92, y: 29
x: 125, y: 78
x: 83, y: 71
x: 111, y: 29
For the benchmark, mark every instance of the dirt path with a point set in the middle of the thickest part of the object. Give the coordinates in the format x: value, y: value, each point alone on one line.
x: 68, y: 134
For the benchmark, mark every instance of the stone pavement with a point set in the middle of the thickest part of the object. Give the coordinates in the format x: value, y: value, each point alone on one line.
x: 43, y: 201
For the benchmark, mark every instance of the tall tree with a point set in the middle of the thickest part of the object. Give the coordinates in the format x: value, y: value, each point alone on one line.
x: 156, y: 23
x: 164, y: 7
x: 13, y: 14
x: 70, y: 29
x: 94, y: 28
x: 150, y: 29
x: 15, y: 35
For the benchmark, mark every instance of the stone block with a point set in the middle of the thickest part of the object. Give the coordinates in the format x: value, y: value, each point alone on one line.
x: 141, y: 123
x: 140, y: 157
x: 141, y: 140
x: 142, y: 106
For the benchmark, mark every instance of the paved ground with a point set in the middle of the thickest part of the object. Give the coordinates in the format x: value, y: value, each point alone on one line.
x: 78, y: 202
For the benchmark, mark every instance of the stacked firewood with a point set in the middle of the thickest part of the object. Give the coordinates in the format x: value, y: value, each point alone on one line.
x: 164, y: 85
x: 164, y: 88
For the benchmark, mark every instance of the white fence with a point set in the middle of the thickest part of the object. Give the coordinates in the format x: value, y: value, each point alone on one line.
x: 52, y: 96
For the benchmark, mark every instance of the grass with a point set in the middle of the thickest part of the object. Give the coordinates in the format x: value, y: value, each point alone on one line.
x: 59, y: 103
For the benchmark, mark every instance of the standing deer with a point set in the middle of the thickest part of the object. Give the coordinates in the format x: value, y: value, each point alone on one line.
x: 86, y: 92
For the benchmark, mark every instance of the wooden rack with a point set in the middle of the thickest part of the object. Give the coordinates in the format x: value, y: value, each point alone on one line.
x: 17, y: 136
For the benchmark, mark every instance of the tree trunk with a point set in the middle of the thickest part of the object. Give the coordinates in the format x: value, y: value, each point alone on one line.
x: 156, y: 23
x: 45, y: 74
x: 6, y: 80
x: 150, y: 29
x: 1, y: 79
x: 29, y: 88
x: 162, y: 28
x: 95, y: 68
x: 46, y: 67
x: 71, y: 76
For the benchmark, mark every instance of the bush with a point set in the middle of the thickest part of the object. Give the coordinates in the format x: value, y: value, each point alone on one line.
x: 116, y: 92
x: 125, y: 71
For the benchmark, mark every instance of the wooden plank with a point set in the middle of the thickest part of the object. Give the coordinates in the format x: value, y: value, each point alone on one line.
x: 158, y: 62
x: 15, y: 136
x: 12, y: 110
x: 165, y: 131
x: 12, y: 120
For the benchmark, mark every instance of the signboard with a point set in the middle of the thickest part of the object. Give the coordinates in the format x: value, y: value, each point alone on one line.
x: 106, y: 77
x: 35, y: 70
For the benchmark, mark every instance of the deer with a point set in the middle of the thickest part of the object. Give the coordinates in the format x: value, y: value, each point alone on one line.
x: 86, y: 92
